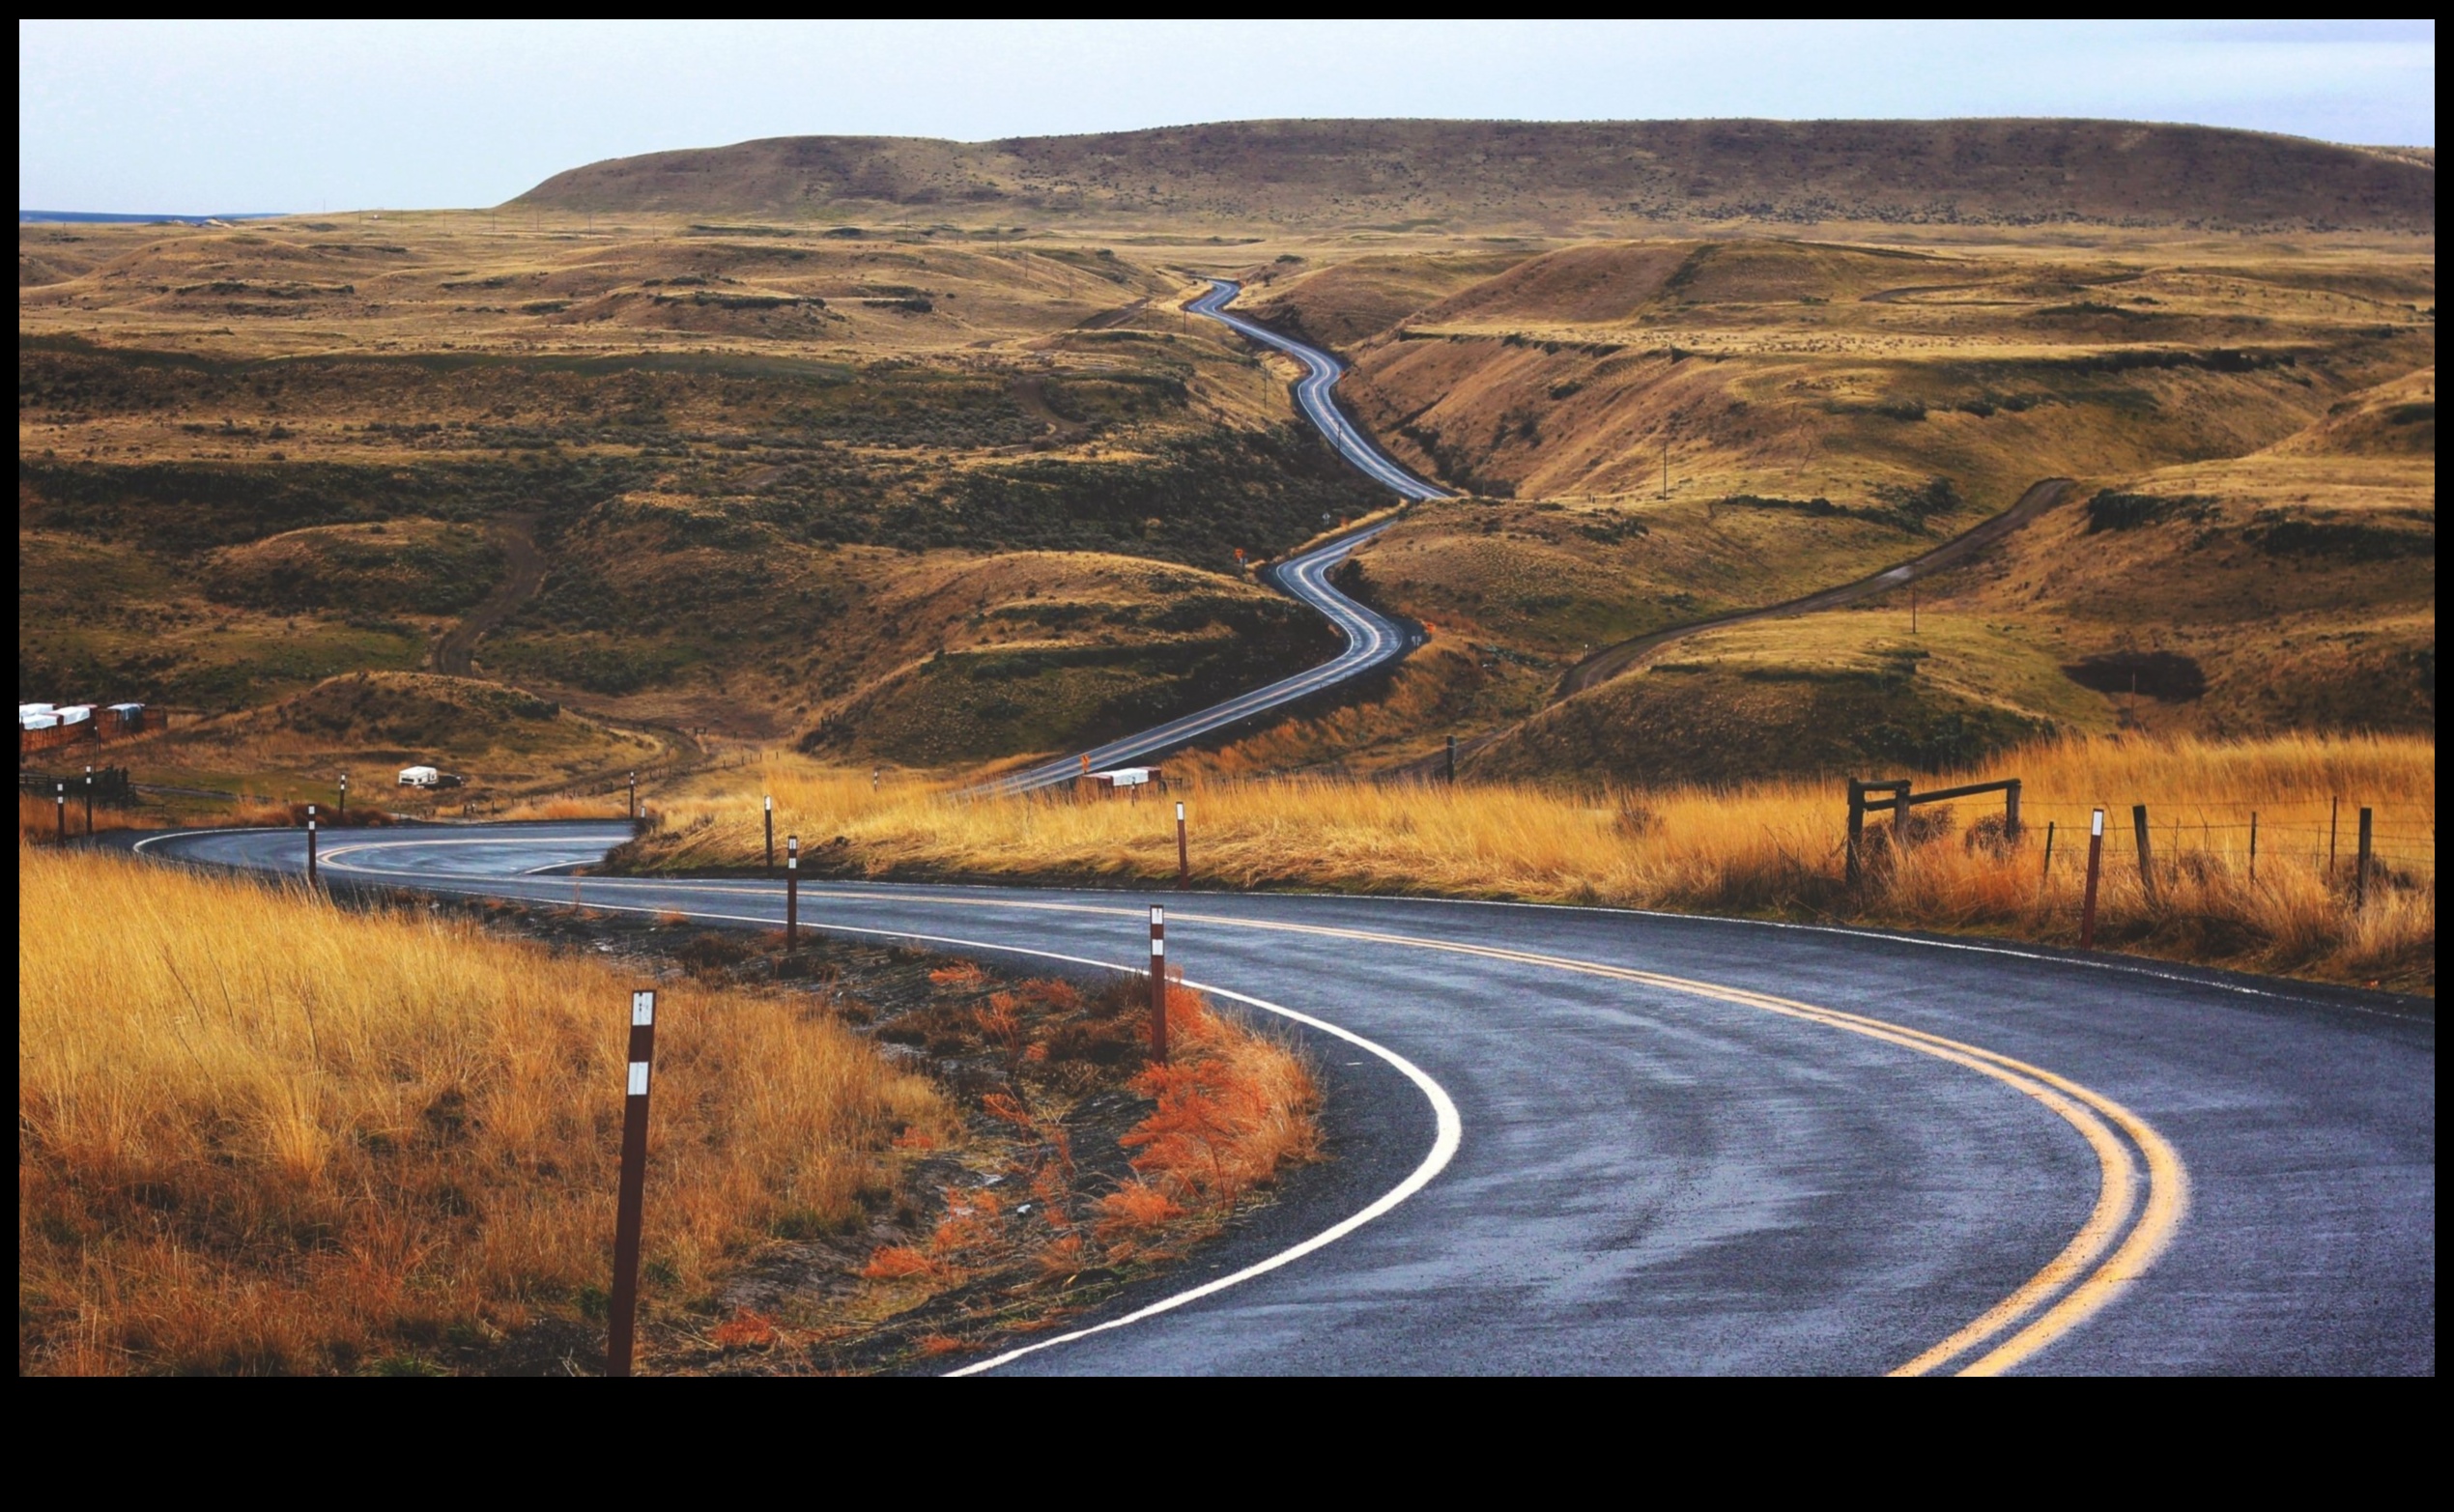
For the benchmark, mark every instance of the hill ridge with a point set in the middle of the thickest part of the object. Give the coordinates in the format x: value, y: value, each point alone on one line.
x: 1409, y: 174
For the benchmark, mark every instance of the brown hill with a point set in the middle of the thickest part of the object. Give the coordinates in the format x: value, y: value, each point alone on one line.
x: 1405, y: 175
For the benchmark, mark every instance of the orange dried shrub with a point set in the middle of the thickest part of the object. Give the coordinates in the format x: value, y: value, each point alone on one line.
x: 745, y: 1329
x: 1233, y: 1106
x: 935, y: 1344
x: 1134, y: 1209
x: 961, y: 974
x: 1061, y: 1258
x: 898, y: 1262
x: 1000, y: 1021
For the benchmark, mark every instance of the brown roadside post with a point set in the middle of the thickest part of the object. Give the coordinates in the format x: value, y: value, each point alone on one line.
x: 2360, y: 867
x: 875, y: 772
x: 310, y: 845
x: 1159, y: 983
x: 626, y: 1213
x: 633, y: 800
x: 2045, y: 872
x: 2253, y: 844
x: 2010, y: 810
x: 770, y: 803
x: 345, y: 796
x: 1452, y: 760
x: 2334, y: 817
x: 1183, y: 856
x: 791, y: 893
x: 89, y: 800
x: 60, y: 829
x: 2096, y: 868
x: 2147, y: 857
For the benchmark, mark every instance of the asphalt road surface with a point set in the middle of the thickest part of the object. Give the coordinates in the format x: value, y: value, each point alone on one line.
x: 1372, y: 640
x: 1583, y: 1141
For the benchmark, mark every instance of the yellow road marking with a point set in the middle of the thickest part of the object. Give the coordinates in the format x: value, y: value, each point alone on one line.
x: 2149, y: 1234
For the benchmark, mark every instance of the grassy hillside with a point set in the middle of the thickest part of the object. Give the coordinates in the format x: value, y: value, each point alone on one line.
x: 1826, y: 410
x: 1564, y: 176
x: 2291, y: 588
x: 659, y: 473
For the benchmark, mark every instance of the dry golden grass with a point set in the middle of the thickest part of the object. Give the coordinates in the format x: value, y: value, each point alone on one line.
x: 1761, y: 848
x: 39, y: 820
x: 260, y: 1135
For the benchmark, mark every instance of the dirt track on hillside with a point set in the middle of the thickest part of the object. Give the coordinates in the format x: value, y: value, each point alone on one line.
x: 1612, y: 660
x: 524, y: 572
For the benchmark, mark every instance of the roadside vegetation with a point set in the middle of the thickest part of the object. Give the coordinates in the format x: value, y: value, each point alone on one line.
x: 1771, y: 848
x: 263, y: 1134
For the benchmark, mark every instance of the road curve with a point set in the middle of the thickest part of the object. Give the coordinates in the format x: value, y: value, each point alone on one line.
x: 1372, y: 640
x: 1314, y: 396
x: 1584, y: 1141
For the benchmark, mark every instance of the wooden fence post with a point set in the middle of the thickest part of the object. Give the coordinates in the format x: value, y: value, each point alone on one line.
x: 1854, y: 872
x: 2147, y: 859
x: 2360, y: 867
x: 2010, y: 810
x: 2046, y: 873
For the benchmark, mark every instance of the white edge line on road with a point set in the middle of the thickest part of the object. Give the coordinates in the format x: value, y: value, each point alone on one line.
x: 1451, y: 1131
x: 2128, y: 966
x: 1451, y: 1127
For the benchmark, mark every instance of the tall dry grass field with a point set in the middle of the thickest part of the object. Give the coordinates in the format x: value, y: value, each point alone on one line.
x: 1770, y: 848
x: 257, y: 1134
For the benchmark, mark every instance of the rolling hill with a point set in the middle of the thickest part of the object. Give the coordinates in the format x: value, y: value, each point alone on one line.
x: 1561, y: 176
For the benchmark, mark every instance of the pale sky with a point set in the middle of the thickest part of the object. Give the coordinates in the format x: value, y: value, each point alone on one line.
x: 198, y: 117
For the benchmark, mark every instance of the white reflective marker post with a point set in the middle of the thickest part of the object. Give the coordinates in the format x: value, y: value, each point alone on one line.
x: 626, y: 1214
x: 1158, y: 985
x: 791, y: 893
x: 310, y: 845
x: 2095, y: 868
x: 1183, y: 856
x: 770, y: 803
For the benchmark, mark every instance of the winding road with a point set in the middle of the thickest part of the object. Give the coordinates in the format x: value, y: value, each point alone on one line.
x: 1575, y: 1140
x: 1372, y: 640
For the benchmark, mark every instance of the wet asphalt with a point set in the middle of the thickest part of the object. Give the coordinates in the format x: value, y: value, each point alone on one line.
x: 1650, y: 1181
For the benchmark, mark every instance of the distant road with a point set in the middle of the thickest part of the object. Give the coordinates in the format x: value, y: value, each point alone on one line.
x: 1372, y: 640
x: 1612, y: 660
x: 1582, y: 1141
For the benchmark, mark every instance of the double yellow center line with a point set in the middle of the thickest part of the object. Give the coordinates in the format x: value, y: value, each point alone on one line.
x: 2142, y: 1194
